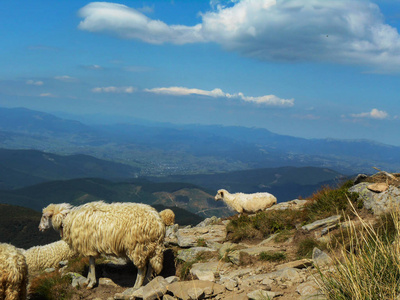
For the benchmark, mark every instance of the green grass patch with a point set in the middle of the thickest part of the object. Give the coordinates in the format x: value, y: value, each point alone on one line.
x: 272, y: 256
x: 52, y: 286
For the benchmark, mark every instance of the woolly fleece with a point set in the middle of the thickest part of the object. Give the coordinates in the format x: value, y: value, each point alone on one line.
x: 131, y: 230
x: 47, y: 256
x: 13, y: 273
x: 249, y: 203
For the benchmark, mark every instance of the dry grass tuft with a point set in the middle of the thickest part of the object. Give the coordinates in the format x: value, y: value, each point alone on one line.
x: 368, y: 267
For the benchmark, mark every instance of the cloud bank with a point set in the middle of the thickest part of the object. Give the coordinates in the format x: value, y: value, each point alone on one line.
x: 373, y: 114
x: 337, y: 31
x: 267, y: 100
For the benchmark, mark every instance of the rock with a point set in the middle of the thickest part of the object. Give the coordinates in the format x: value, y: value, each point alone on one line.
x: 228, y: 283
x: 191, y: 253
x: 172, y: 279
x: 49, y: 270
x: 126, y: 295
x: 297, y: 264
x: 168, y: 297
x: 307, y: 288
x: 293, y: 204
x: 268, y: 240
x: 310, y: 291
x: 320, y: 258
x: 170, y: 235
x: 195, y: 293
x: 320, y: 223
x: 360, y: 178
x: 63, y: 263
x: 188, y: 237
x: 209, y: 221
x: 378, y: 187
x: 234, y: 257
x: 77, y: 279
x: 286, y: 274
x: 327, y: 229
x: 262, y: 295
x: 107, y: 281
x: 155, y: 289
x: 226, y: 247
x: 237, y: 297
x: 207, y: 271
x: 257, y: 250
x: 180, y: 289
x: 379, y: 203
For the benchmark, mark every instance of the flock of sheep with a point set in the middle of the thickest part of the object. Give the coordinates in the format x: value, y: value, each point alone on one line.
x: 130, y: 230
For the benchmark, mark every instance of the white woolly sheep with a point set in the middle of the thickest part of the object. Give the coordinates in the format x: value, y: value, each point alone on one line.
x: 13, y: 273
x: 130, y: 230
x: 249, y: 203
x: 168, y: 217
x: 47, y: 256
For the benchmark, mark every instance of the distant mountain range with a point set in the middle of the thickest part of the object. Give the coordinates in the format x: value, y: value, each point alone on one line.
x: 165, y: 149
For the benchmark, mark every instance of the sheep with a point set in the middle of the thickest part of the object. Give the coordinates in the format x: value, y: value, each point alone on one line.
x: 13, y: 273
x: 130, y: 230
x: 168, y: 217
x: 249, y: 203
x: 47, y: 256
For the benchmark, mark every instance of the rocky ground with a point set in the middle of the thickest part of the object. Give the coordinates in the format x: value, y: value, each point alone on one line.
x: 215, y: 268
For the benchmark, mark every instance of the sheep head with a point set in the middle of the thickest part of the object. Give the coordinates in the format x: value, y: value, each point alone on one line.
x: 168, y: 217
x: 221, y: 194
x: 53, y: 215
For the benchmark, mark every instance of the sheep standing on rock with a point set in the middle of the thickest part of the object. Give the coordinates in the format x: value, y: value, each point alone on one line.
x: 47, y: 256
x: 129, y: 230
x: 13, y: 273
x: 249, y: 203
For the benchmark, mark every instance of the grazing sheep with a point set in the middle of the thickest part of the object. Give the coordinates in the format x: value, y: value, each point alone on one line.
x: 47, y: 256
x: 13, y: 273
x: 249, y: 203
x: 168, y: 217
x: 129, y: 230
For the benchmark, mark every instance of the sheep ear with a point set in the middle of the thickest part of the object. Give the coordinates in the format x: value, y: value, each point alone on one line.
x: 47, y: 214
x: 222, y: 194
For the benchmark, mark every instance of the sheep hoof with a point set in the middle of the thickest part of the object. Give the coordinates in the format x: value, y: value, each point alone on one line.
x: 88, y: 284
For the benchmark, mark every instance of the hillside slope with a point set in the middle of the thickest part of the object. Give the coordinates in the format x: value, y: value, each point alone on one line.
x: 19, y: 168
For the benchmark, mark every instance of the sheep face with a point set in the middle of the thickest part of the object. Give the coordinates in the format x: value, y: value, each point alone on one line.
x: 53, y: 215
x: 45, y: 222
x: 220, y: 195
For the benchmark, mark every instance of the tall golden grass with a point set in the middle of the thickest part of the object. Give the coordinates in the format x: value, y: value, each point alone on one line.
x: 367, y: 266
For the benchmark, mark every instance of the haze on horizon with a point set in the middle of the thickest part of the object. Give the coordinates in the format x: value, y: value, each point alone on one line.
x: 307, y: 68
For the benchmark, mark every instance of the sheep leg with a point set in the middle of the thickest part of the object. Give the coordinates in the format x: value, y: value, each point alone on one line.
x: 140, y: 277
x: 91, y: 278
x: 149, y: 273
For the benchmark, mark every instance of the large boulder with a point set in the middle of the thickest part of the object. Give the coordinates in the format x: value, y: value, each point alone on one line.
x: 378, y: 202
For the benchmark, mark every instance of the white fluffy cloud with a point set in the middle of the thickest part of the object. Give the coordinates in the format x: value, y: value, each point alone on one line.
x: 114, y: 89
x: 373, y: 114
x: 268, y: 100
x: 33, y: 82
x: 338, y: 31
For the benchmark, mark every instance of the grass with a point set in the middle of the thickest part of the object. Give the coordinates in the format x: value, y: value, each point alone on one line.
x: 306, y: 245
x: 368, y: 267
x: 51, y: 286
x: 324, y: 203
x: 272, y: 256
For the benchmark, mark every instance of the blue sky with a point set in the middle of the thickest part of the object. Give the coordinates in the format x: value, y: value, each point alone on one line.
x: 307, y: 68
